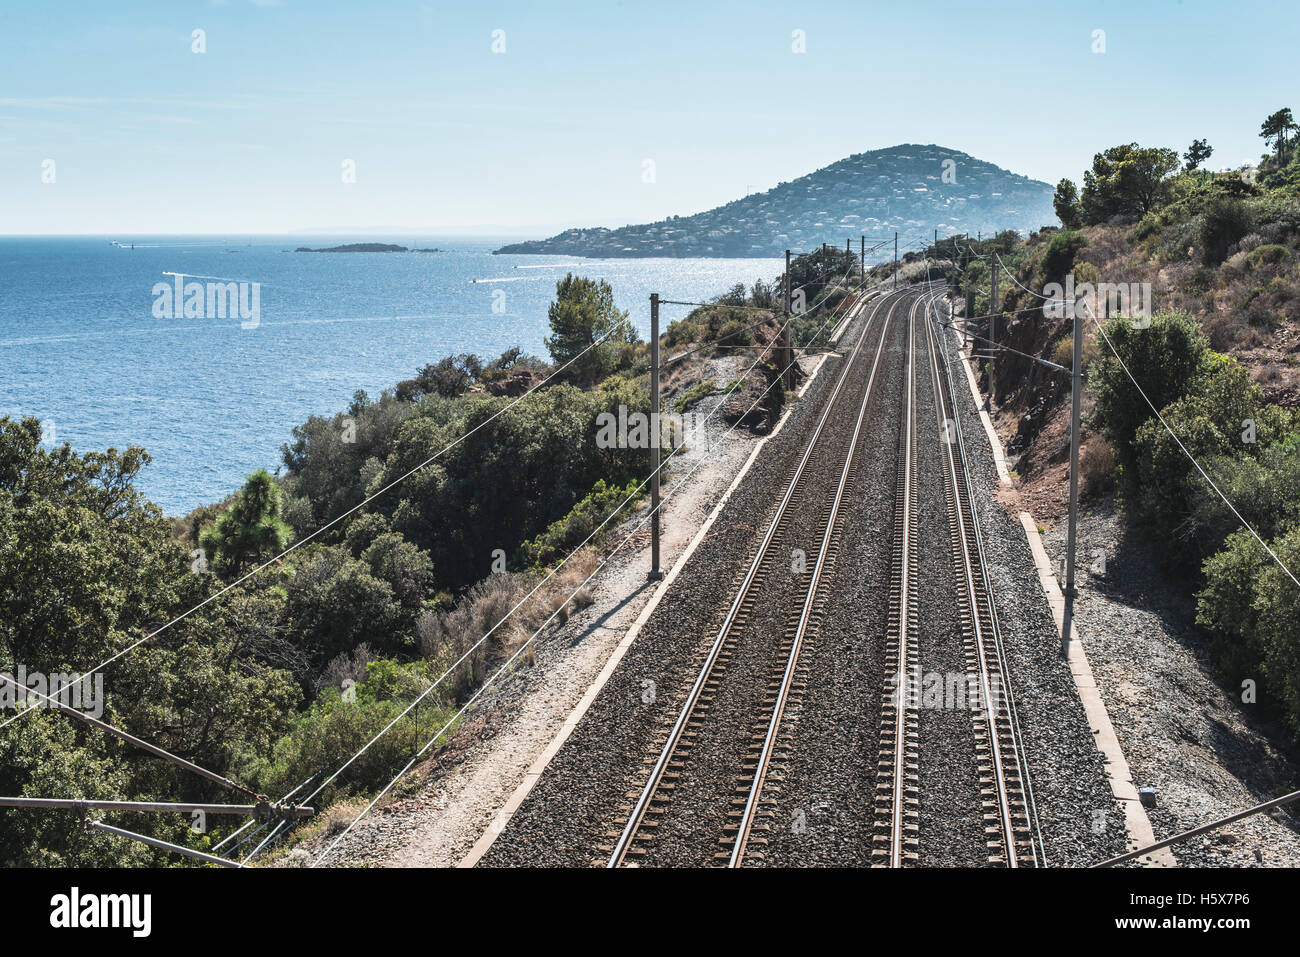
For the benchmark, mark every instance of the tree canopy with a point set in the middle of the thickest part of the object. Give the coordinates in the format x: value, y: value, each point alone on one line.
x: 1125, y: 181
x: 250, y: 531
x: 1274, y: 131
x: 1197, y: 154
x: 1066, y: 203
x: 582, y: 315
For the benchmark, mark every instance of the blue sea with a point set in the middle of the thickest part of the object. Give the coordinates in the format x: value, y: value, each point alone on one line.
x: 84, y: 349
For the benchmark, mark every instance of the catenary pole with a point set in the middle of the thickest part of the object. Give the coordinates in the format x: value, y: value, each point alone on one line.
x: 656, y: 432
x: 1076, y: 400
x: 993, y: 327
x: 787, y: 282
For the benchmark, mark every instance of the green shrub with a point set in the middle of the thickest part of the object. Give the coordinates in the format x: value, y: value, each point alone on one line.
x: 334, y: 602
x: 1263, y: 485
x: 518, y: 468
x: 734, y: 335
x: 1269, y: 255
x: 328, y: 473
x: 1222, y: 223
x: 1165, y: 359
x: 333, y: 729
x: 1164, y: 485
x: 694, y: 394
x: 1151, y: 225
x: 1059, y: 256
x: 1251, y: 606
x: 571, y: 530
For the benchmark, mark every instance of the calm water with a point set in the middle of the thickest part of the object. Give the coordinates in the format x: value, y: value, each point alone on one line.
x: 81, y: 348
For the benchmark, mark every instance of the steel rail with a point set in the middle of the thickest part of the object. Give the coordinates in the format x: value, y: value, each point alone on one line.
x: 903, y: 691
x: 896, y: 802
x: 805, y: 617
x: 971, y: 562
x: 637, y: 816
x: 1039, y: 849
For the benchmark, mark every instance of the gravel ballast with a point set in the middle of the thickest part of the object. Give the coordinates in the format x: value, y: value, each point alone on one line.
x: 574, y: 808
x: 1077, y: 814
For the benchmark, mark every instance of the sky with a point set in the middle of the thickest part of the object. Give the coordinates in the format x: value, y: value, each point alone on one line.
x: 140, y: 134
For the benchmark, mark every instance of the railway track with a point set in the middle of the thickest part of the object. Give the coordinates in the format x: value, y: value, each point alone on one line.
x: 1005, y: 790
x: 751, y: 805
x: 895, y: 838
x: 742, y: 771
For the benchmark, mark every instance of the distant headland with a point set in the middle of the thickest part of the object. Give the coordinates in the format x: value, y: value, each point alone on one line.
x: 910, y: 189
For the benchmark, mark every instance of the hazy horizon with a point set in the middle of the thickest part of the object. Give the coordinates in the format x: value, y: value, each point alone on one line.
x: 528, y: 121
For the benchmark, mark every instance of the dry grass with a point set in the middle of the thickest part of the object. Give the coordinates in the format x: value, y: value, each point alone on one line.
x: 1097, y: 466
x: 334, y: 820
x: 447, y: 636
x: 1242, y: 304
x: 1063, y: 351
x: 346, y: 666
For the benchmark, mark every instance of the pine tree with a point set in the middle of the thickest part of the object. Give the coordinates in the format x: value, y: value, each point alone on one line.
x: 251, y: 530
x: 586, y: 328
x: 1197, y: 154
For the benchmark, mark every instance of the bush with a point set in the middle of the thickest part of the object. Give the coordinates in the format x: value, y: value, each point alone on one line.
x: 333, y: 729
x: 1264, y: 486
x: 1208, y: 421
x: 695, y: 394
x: 448, y: 377
x: 1251, y: 606
x: 574, y: 528
x: 1223, y: 222
x: 331, y: 459
x: 1270, y: 255
x: 1060, y: 254
x: 1063, y: 351
x: 1165, y: 358
x: 733, y: 336
x: 1149, y: 226
x: 510, y: 477
x: 1097, y: 467
x: 334, y: 602
x: 447, y: 636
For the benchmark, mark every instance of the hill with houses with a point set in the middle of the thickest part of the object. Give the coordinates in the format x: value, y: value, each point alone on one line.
x: 910, y: 189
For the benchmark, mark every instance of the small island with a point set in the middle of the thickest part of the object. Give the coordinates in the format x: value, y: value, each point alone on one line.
x: 357, y: 248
